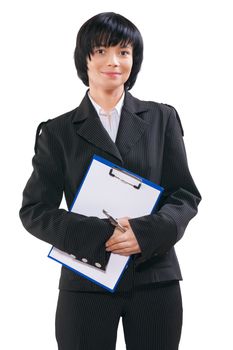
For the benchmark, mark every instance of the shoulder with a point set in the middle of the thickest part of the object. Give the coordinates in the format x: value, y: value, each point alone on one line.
x: 163, y: 111
x: 55, y: 126
x: 158, y: 107
x: 55, y: 123
x: 164, y: 108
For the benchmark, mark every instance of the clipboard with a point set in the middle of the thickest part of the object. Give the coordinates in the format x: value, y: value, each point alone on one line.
x: 120, y: 192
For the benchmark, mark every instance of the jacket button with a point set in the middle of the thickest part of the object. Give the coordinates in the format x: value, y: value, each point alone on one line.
x: 84, y: 260
x: 98, y: 264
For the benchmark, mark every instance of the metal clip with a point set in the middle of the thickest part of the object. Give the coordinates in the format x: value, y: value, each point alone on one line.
x: 127, y: 174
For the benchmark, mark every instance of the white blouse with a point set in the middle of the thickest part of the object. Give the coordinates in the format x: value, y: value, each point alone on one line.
x: 111, y: 119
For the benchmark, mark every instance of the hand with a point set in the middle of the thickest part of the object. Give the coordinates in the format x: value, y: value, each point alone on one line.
x: 123, y: 243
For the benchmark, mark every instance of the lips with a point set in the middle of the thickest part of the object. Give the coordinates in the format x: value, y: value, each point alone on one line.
x: 112, y: 73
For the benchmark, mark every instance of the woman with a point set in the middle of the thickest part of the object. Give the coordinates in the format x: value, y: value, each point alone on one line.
x: 143, y: 137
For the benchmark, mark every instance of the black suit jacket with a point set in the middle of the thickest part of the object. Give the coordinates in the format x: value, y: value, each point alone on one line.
x: 149, y: 143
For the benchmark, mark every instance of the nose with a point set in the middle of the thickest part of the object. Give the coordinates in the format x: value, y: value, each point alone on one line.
x: 112, y: 60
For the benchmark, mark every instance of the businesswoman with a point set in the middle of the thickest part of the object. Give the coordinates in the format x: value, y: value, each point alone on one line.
x: 144, y: 137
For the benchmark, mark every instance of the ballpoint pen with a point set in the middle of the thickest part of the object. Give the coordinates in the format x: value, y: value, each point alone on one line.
x: 114, y: 221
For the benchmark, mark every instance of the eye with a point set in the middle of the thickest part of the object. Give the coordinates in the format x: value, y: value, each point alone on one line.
x: 125, y: 53
x: 100, y: 51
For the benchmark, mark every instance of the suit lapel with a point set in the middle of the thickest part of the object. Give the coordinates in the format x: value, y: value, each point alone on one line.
x: 89, y: 126
x: 131, y: 127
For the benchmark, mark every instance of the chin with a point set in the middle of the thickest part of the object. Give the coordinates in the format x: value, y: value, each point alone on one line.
x: 111, y: 86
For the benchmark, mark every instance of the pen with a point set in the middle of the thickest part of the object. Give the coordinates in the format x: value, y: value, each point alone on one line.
x: 114, y: 221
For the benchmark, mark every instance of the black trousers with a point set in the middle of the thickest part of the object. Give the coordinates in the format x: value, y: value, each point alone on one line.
x: 151, y: 318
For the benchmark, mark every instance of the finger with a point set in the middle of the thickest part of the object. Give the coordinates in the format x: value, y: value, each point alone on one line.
x: 129, y: 247
x: 116, y: 233
x: 124, y: 222
x: 126, y: 251
x: 111, y: 240
x: 116, y: 239
x: 117, y: 246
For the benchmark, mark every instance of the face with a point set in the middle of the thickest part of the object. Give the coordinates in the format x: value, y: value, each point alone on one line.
x: 109, y: 67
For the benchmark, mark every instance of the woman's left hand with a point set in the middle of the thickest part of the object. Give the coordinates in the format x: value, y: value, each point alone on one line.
x: 123, y: 243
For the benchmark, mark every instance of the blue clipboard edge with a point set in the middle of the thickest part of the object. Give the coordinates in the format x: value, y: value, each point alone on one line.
x: 90, y: 279
x: 110, y: 164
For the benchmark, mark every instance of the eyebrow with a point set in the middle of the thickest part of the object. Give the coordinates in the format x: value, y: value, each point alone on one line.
x: 126, y: 46
x: 129, y: 46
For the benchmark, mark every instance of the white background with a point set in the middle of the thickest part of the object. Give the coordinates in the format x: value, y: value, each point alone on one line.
x: 188, y: 64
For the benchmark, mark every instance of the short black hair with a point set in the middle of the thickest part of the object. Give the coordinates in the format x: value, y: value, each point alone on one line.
x: 107, y: 29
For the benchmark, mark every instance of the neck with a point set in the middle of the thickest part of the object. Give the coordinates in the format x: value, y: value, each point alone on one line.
x: 106, y: 99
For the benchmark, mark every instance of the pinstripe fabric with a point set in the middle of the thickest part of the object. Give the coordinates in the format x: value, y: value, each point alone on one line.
x: 151, y: 318
x: 150, y: 143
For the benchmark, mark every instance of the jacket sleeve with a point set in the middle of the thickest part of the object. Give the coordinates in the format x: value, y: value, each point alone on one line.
x: 157, y: 233
x: 84, y: 237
